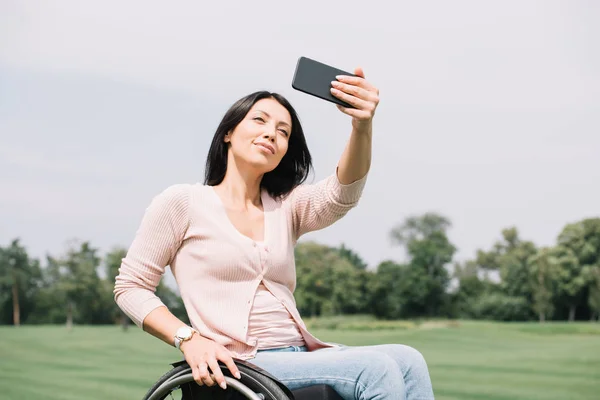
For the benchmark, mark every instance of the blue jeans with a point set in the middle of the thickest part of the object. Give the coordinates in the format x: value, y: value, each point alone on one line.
x: 382, y: 372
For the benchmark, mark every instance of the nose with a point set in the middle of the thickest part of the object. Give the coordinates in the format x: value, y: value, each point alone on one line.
x: 269, y: 135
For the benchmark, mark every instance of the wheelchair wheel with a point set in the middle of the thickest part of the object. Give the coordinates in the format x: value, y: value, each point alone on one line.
x: 178, y: 383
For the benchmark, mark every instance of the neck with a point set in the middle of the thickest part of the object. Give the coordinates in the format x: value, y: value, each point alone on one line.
x: 240, y: 186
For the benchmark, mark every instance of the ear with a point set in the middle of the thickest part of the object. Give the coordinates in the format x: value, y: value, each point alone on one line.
x: 227, y: 137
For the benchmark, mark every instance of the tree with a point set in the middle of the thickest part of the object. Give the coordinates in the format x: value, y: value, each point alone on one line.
x: 112, y: 263
x: 514, y: 270
x: 508, y: 258
x: 20, y: 273
x: 362, y: 278
x: 419, y: 228
x: 543, y: 272
x: 425, y: 240
x: 579, y: 248
x: 469, y: 288
x: 489, y: 261
x: 353, y: 257
x: 76, y: 277
x: 327, y: 283
x: 505, y: 268
x: 593, y: 277
x: 570, y: 281
x: 511, y: 256
x: 387, y: 291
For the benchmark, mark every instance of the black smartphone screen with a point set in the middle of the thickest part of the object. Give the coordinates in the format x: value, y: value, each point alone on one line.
x: 314, y: 78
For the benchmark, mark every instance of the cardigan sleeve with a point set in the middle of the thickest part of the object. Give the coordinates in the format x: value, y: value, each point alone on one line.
x: 316, y: 206
x: 154, y: 246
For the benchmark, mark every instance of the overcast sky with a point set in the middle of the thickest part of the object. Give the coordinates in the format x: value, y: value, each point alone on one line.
x: 489, y: 113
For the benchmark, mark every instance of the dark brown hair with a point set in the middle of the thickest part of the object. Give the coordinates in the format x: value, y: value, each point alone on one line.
x: 294, y: 166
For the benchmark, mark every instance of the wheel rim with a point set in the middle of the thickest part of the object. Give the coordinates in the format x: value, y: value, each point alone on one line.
x: 187, y: 377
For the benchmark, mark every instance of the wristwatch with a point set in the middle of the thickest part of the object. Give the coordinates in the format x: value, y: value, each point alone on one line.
x: 184, y: 333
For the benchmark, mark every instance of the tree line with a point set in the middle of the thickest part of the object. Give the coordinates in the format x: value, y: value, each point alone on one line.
x: 514, y: 280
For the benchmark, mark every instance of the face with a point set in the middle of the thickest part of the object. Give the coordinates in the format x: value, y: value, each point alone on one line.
x: 261, y: 138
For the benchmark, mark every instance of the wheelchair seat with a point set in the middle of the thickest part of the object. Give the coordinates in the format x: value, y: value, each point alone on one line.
x: 316, y: 392
x: 255, y: 384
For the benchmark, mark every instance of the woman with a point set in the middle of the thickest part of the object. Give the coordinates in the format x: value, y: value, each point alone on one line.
x: 230, y: 244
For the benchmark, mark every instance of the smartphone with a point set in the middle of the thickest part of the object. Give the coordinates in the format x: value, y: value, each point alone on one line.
x: 314, y: 78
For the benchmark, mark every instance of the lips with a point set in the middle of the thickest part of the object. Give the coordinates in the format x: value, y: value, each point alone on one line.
x: 266, y: 146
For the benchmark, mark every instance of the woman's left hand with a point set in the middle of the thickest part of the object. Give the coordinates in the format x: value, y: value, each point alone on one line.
x: 355, y: 90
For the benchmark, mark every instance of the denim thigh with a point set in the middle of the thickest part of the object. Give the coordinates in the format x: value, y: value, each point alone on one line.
x: 354, y: 373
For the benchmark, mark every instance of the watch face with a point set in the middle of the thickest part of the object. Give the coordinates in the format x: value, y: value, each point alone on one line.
x: 184, y: 332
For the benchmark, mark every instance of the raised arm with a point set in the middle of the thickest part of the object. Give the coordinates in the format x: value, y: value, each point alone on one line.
x: 317, y: 206
x: 356, y: 158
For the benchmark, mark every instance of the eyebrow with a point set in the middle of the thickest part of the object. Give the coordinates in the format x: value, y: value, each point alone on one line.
x: 267, y: 114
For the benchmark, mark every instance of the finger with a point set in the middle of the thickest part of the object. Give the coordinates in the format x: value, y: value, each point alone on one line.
x: 355, y: 91
x: 359, y: 71
x: 355, y: 101
x: 196, y: 375
x: 228, y: 361
x: 357, y: 81
x: 217, y: 373
x: 360, y: 114
x: 204, y: 375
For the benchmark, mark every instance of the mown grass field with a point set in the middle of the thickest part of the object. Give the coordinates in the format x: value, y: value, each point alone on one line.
x: 467, y: 360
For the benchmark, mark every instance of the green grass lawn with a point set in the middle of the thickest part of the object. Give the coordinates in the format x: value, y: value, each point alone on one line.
x: 467, y: 360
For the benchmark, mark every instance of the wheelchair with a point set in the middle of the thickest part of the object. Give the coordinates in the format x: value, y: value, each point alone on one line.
x: 255, y: 384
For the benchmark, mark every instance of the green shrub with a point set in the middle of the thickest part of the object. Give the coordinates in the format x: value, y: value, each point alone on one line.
x: 500, y: 307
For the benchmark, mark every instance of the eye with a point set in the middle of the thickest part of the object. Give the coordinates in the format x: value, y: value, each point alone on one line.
x: 258, y: 119
x: 286, y: 134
